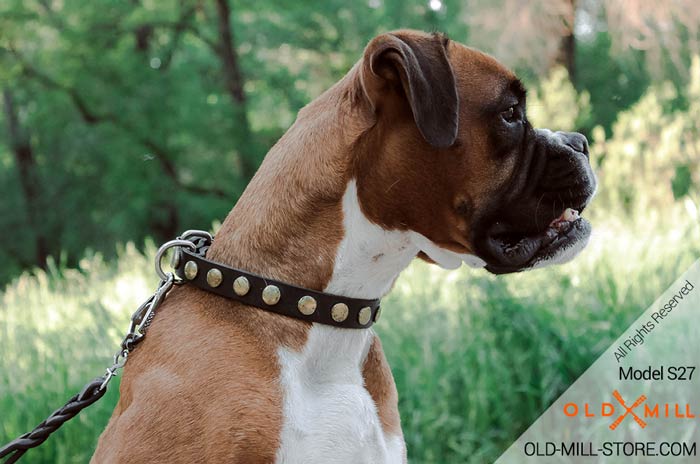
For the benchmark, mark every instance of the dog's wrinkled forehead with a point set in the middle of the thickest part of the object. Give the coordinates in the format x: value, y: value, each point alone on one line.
x: 485, y: 87
x: 480, y: 78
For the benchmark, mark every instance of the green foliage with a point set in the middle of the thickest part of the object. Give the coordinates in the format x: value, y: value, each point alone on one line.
x: 478, y: 358
x: 138, y: 126
x: 108, y: 119
x: 555, y: 103
x: 132, y: 115
x: 682, y: 181
x: 653, y: 156
x: 58, y: 329
x: 613, y: 82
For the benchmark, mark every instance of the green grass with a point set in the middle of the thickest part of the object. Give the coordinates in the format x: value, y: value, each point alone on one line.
x: 476, y: 357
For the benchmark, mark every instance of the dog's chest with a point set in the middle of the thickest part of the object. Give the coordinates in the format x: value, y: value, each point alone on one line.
x: 329, y: 416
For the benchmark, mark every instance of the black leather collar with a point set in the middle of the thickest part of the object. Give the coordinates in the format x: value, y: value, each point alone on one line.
x: 271, y: 295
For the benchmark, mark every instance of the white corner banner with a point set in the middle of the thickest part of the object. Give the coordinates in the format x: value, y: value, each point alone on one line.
x: 639, y: 402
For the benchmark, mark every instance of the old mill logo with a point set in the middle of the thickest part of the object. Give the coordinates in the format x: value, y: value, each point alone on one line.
x: 640, y: 410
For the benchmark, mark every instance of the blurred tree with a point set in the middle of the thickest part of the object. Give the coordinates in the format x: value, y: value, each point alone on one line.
x: 21, y: 147
x: 628, y: 44
x: 532, y: 36
x: 613, y: 84
x: 116, y: 95
x: 128, y: 119
x: 667, y: 32
x: 555, y: 103
x: 233, y: 78
x: 653, y: 156
x: 567, y: 47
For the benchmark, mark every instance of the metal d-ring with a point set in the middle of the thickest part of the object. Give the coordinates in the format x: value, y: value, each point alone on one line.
x: 165, y: 247
x: 195, y: 232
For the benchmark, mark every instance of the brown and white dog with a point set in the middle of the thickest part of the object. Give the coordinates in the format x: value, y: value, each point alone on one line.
x: 422, y: 150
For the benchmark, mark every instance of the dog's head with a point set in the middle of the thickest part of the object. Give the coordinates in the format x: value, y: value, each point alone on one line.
x: 454, y: 158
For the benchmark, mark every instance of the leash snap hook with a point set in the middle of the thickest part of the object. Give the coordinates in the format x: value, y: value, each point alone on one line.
x: 145, y: 316
x: 111, y: 372
x: 120, y: 359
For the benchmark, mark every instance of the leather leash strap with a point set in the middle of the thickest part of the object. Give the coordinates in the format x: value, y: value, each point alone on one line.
x: 272, y: 295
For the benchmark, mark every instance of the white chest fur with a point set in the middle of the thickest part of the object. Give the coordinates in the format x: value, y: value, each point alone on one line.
x: 329, y: 416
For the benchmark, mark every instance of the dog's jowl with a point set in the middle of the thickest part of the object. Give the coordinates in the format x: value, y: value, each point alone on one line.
x: 422, y: 150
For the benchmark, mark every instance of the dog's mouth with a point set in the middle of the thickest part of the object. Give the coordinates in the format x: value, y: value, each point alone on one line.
x: 559, y: 242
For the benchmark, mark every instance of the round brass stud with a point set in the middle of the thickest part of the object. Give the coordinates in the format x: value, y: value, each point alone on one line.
x: 271, y: 295
x: 365, y: 315
x: 241, y: 286
x: 339, y: 312
x: 190, y: 270
x: 377, y: 314
x: 214, y: 277
x: 307, y: 305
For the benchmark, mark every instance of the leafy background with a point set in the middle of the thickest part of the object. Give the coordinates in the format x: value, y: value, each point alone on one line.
x: 127, y: 122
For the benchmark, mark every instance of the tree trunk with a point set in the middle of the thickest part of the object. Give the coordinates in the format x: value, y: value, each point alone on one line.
x: 26, y: 165
x: 233, y: 79
x: 142, y: 38
x: 567, y: 45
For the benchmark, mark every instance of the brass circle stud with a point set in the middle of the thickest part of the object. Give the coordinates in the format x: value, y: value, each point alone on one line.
x: 365, y: 315
x: 214, y: 277
x: 190, y: 270
x: 271, y: 295
x: 339, y: 312
x: 377, y: 314
x: 307, y: 305
x: 241, y: 286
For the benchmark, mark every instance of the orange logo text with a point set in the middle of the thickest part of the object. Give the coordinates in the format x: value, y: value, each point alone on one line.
x: 640, y: 410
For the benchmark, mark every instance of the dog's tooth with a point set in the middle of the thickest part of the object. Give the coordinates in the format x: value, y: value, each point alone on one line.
x: 570, y: 214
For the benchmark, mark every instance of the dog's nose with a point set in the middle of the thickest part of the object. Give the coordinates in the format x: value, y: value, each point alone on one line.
x: 567, y: 173
x: 575, y: 141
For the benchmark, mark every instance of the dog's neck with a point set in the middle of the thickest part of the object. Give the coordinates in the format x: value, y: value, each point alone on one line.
x: 300, y: 219
x: 369, y: 258
x: 299, y: 224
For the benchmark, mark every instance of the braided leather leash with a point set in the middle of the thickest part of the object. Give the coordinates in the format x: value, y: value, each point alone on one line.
x: 17, y: 447
x: 95, y: 389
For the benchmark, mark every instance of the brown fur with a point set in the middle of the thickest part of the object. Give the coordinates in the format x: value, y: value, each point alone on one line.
x: 203, y: 386
x: 435, y: 184
x: 380, y: 385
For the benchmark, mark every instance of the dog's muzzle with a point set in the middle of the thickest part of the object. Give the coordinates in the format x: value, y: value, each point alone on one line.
x: 540, y: 223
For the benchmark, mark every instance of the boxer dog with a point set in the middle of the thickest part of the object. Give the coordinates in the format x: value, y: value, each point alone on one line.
x: 422, y: 150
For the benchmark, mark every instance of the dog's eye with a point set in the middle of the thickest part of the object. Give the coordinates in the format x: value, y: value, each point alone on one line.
x: 510, y: 114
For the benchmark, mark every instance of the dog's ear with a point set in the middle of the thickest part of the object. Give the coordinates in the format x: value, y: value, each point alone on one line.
x: 417, y: 66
